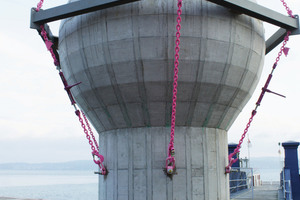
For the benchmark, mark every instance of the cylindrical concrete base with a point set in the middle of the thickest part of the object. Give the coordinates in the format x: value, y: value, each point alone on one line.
x: 135, y: 159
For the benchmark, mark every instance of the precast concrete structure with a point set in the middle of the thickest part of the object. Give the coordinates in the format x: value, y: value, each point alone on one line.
x: 124, y: 57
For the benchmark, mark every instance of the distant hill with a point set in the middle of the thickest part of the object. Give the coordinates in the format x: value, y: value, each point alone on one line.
x: 266, y: 163
x: 72, y: 165
x: 256, y: 163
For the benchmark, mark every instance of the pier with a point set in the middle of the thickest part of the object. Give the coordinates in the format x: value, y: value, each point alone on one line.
x: 264, y: 192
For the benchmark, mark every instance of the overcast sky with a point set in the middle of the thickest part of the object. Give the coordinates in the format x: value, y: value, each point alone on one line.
x: 38, y: 123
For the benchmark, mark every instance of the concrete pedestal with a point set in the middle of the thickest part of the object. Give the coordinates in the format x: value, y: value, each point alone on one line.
x: 135, y: 159
x: 124, y: 57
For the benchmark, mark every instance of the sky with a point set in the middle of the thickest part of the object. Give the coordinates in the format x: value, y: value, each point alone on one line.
x: 38, y: 123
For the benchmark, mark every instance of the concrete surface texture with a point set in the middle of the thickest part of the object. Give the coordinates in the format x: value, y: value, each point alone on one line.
x: 136, y: 162
x: 124, y: 58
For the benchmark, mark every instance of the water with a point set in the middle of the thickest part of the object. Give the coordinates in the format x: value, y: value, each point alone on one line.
x: 49, y: 185
x: 270, y: 174
x: 67, y: 185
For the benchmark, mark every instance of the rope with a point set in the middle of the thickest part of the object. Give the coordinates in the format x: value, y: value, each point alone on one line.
x: 265, y: 89
x: 170, y: 161
x: 97, y: 157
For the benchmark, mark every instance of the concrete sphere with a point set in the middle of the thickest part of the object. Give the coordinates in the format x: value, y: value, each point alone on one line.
x: 124, y: 57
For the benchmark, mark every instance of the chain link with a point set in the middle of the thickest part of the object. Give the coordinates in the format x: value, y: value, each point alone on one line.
x: 95, y: 150
x: 45, y: 36
x: 88, y: 132
x: 170, y: 161
x: 49, y: 45
x: 286, y: 38
x: 264, y: 89
x: 237, y: 149
x: 39, y: 5
x: 290, y: 13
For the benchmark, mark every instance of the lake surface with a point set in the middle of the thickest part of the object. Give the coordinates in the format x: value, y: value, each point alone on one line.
x: 67, y: 185
x: 268, y: 174
x: 49, y: 185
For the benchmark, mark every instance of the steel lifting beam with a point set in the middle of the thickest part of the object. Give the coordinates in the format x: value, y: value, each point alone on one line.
x: 68, y: 10
x: 240, y: 6
x: 265, y: 14
x: 71, y: 10
x: 260, y: 12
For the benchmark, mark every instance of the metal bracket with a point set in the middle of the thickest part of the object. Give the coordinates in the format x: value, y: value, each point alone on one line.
x: 279, y: 35
x: 51, y: 37
x: 68, y: 10
x: 265, y: 14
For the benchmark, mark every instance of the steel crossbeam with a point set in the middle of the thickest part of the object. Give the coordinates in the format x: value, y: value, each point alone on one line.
x: 265, y: 14
x: 260, y: 12
x: 247, y: 7
x: 68, y: 10
x: 72, y: 9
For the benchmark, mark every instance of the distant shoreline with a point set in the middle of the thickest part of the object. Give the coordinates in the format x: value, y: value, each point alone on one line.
x: 72, y: 165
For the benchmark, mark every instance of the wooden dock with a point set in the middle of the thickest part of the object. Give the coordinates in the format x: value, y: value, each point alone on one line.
x: 264, y: 192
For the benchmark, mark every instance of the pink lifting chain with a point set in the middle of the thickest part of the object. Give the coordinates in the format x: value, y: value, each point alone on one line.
x: 93, y: 142
x: 170, y: 161
x: 44, y: 34
x: 265, y: 89
x: 49, y: 45
x: 39, y: 5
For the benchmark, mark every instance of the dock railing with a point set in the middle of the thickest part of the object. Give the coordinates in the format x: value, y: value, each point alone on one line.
x: 241, y: 180
x: 285, y: 184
